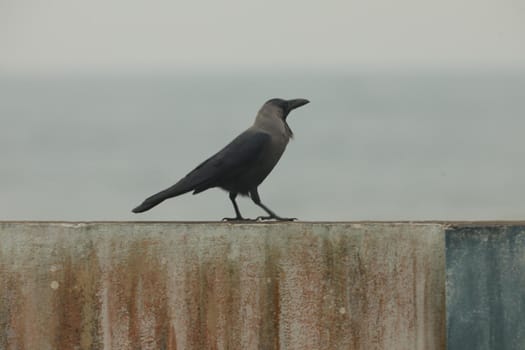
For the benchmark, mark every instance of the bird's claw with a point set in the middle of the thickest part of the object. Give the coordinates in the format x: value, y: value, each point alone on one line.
x: 238, y: 219
x: 276, y: 218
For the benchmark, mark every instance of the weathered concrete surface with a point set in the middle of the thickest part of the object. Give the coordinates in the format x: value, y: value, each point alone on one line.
x: 486, y: 287
x: 222, y: 286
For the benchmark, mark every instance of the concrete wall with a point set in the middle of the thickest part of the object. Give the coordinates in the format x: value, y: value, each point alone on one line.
x: 222, y: 286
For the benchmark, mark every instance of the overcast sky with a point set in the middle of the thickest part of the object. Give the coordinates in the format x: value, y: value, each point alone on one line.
x: 62, y: 35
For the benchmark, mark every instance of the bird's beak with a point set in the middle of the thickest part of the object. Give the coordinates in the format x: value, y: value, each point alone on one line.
x: 296, y: 103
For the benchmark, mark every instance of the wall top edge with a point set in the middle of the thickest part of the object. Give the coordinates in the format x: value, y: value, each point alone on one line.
x: 364, y: 222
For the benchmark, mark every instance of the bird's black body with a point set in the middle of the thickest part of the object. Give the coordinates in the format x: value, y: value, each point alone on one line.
x: 243, y: 164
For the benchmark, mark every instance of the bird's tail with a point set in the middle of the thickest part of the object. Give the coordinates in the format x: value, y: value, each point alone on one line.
x: 160, y: 197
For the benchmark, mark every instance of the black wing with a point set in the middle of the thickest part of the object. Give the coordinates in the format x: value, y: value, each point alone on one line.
x: 227, y: 163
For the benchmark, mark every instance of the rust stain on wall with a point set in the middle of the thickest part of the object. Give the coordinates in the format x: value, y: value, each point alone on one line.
x: 221, y: 286
x: 75, y: 304
x: 269, y: 302
x: 11, y: 319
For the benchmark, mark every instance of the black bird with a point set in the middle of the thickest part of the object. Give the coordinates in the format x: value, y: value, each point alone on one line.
x: 243, y: 164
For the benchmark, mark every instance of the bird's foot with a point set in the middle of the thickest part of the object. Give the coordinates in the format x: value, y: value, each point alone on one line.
x: 274, y: 217
x: 237, y: 218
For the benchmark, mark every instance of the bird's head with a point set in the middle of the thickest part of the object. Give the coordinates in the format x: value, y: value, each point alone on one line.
x: 278, y: 108
x: 282, y: 107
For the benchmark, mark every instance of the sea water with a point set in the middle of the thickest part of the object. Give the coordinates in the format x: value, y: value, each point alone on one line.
x: 369, y: 146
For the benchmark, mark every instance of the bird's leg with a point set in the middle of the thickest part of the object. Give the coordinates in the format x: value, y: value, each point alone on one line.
x: 254, y: 195
x: 238, y: 216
